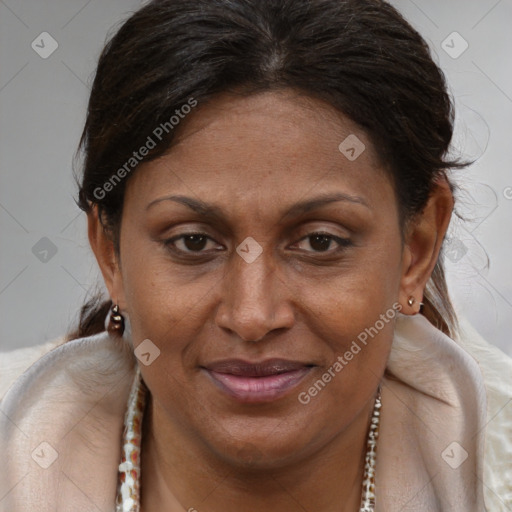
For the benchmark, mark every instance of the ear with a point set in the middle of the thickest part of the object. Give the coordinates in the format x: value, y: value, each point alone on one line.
x: 423, y: 242
x: 103, y: 248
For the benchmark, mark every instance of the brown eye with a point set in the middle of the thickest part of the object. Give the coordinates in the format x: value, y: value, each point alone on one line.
x: 194, y: 242
x: 322, y: 242
x: 189, y: 243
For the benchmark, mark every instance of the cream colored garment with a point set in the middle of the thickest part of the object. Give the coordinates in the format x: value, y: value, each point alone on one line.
x: 74, y: 399
x: 13, y: 364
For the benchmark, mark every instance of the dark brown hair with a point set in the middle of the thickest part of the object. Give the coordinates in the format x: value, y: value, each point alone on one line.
x: 360, y: 56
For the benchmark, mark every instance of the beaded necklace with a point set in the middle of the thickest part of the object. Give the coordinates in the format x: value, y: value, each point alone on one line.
x: 128, y: 491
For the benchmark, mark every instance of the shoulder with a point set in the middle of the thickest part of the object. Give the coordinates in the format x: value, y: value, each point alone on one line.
x: 73, y: 395
x: 495, y: 365
x: 15, y: 362
x: 496, y: 368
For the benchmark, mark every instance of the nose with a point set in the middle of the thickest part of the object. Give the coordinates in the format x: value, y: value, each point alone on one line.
x: 254, y: 299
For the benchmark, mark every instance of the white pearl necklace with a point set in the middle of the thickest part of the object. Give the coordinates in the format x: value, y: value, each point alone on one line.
x: 128, y: 492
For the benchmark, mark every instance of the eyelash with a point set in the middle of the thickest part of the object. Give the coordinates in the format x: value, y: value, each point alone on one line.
x: 343, y: 243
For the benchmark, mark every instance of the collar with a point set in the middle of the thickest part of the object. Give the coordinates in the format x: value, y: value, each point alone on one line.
x: 61, y: 425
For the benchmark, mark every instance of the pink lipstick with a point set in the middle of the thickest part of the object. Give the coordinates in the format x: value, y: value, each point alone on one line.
x: 263, y: 381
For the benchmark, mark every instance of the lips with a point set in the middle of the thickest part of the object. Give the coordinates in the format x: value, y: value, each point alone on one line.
x: 257, y: 382
x: 262, y: 369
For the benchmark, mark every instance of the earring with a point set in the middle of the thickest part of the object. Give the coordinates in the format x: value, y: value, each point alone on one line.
x: 411, y: 300
x: 116, y: 322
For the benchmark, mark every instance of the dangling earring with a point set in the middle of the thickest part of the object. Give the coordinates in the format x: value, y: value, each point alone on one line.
x: 116, y: 322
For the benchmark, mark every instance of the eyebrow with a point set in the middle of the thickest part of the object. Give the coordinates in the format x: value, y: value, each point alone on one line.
x: 215, y: 212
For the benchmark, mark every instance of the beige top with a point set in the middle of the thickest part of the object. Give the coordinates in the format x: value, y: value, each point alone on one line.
x: 445, y: 442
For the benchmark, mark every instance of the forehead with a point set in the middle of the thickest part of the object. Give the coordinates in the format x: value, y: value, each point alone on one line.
x: 288, y: 121
x: 264, y: 148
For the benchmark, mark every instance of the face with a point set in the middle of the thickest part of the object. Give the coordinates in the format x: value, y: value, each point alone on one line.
x: 277, y: 253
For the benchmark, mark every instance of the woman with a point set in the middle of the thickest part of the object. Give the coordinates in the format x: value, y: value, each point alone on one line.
x: 267, y: 195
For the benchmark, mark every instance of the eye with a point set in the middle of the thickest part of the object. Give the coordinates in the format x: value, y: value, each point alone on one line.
x: 321, y: 242
x: 191, y: 243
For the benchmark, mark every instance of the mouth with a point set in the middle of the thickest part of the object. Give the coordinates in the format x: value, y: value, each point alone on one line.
x: 257, y: 382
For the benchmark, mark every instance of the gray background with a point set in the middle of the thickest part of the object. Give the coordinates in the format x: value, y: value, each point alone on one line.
x: 46, y: 266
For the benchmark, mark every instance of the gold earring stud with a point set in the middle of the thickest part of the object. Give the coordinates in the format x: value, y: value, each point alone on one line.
x: 411, y: 301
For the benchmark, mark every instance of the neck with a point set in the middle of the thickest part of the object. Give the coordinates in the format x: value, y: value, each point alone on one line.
x: 179, y: 473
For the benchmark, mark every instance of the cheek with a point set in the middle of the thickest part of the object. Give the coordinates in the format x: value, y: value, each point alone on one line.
x: 354, y: 314
x: 357, y: 324
x: 162, y: 298
x: 335, y: 398
x: 352, y: 298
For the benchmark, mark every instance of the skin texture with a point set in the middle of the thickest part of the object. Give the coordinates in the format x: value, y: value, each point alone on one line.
x: 254, y: 157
